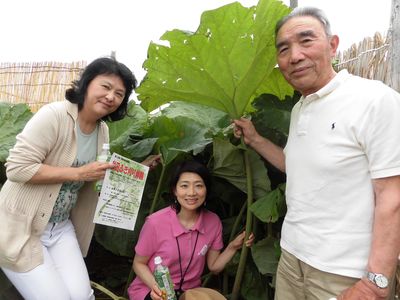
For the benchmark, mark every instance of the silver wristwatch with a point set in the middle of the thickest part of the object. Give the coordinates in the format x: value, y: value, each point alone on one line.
x: 379, y: 280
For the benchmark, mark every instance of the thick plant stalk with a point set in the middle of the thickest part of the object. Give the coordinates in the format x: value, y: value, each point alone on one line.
x: 235, y: 226
x: 249, y: 223
x: 231, y: 236
x: 157, y: 194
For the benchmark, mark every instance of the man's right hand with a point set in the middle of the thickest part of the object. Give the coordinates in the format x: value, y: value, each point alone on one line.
x: 246, y: 128
x: 268, y: 150
x: 363, y: 290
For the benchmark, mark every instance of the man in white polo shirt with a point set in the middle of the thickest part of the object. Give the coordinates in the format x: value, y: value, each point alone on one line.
x: 340, y: 236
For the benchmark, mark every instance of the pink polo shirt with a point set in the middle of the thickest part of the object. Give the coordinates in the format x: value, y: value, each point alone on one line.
x: 158, y: 238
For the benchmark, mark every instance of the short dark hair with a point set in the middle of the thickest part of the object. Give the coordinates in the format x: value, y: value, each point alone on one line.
x: 191, y: 166
x: 306, y: 12
x: 103, y: 65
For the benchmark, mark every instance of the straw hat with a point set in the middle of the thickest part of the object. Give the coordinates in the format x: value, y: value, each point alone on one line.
x: 201, y: 294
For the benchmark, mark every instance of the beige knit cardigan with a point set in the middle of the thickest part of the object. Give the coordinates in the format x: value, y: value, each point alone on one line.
x: 48, y: 138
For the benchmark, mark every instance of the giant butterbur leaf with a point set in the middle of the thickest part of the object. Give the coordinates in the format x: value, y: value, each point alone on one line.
x: 272, y: 116
x: 13, y: 118
x: 134, y: 123
x: 229, y: 164
x: 172, y: 136
x: 271, y: 206
x: 180, y: 134
x: 276, y: 84
x: 207, y: 116
x: 221, y: 65
x: 266, y: 255
x: 141, y: 149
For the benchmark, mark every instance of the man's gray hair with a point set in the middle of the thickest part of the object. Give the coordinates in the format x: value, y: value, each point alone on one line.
x: 306, y: 12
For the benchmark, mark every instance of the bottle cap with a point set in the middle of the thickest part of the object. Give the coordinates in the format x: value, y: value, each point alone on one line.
x: 157, y: 260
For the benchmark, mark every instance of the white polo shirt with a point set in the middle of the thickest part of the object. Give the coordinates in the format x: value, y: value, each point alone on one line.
x: 340, y: 138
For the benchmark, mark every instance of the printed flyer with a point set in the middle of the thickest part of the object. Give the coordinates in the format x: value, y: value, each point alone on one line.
x: 121, y: 193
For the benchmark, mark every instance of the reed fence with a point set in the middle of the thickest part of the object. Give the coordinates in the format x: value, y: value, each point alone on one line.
x: 369, y: 58
x: 37, y: 83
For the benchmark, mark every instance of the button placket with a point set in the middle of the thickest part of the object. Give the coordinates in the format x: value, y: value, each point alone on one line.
x: 304, y: 114
x: 302, y: 120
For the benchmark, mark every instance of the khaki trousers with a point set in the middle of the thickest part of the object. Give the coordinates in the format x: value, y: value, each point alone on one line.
x: 296, y: 280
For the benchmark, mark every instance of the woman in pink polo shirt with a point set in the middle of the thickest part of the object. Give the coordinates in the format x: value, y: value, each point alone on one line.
x: 185, y: 235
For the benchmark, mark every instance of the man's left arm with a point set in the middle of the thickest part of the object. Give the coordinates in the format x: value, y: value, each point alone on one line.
x: 385, y: 246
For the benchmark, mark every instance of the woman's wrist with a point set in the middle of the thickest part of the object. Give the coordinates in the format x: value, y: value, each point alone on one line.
x: 232, y: 247
x: 76, y: 174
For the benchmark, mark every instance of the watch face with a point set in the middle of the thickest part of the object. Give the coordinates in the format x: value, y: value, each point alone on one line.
x: 381, y: 281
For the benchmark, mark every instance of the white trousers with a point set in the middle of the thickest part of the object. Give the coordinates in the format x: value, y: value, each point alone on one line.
x: 63, y: 275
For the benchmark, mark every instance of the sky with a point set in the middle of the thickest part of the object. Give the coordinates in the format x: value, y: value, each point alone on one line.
x: 76, y: 30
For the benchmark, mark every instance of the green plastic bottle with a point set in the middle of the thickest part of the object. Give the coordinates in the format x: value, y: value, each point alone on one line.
x: 163, y: 279
x: 103, y: 157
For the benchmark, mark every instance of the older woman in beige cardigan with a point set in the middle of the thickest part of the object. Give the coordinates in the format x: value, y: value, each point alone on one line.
x: 48, y: 202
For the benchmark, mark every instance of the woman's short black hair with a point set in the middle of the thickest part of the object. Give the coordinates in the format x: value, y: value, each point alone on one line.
x: 190, y: 166
x: 108, y: 66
